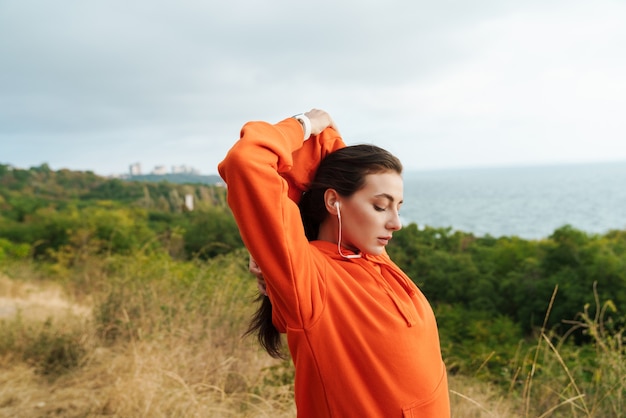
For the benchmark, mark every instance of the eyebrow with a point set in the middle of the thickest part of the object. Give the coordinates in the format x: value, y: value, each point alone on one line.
x: 388, y: 196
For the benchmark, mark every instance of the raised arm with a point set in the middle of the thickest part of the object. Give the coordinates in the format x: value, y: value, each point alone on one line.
x: 266, y: 171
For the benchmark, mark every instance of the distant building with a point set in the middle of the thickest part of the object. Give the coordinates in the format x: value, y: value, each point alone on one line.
x: 159, y: 170
x: 189, y: 202
x: 184, y: 169
x: 135, y: 169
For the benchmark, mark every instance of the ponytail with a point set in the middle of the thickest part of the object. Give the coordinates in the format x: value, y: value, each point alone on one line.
x: 266, y: 333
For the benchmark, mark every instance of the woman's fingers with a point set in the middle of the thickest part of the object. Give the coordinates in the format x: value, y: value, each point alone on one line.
x: 254, y: 268
x: 320, y: 120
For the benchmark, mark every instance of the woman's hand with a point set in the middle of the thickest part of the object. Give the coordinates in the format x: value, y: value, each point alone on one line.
x: 320, y: 120
x: 254, y: 268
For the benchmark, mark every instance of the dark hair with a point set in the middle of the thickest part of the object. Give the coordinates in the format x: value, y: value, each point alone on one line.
x: 343, y: 170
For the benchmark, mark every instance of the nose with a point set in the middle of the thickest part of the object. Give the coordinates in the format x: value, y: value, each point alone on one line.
x: 394, y: 223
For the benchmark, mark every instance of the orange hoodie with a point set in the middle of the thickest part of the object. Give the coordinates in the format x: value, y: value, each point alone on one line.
x: 362, y: 336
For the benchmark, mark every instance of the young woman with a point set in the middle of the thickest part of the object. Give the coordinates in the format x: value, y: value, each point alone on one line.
x: 362, y: 336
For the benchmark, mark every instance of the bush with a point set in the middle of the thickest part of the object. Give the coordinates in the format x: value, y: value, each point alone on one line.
x: 210, y: 233
x: 51, y: 349
x: 13, y: 250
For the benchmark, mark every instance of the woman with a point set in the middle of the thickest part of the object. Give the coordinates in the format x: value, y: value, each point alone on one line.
x: 362, y: 336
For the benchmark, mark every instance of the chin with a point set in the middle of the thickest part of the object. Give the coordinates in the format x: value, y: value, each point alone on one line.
x: 374, y: 251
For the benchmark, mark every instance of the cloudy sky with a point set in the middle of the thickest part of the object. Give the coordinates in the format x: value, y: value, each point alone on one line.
x: 98, y: 85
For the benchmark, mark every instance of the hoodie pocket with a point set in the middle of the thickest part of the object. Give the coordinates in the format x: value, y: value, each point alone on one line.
x: 437, y: 405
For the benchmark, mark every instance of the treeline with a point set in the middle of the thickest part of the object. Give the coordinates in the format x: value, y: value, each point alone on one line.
x: 184, y: 178
x: 489, y: 293
x: 45, y: 213
x: 515, y: 277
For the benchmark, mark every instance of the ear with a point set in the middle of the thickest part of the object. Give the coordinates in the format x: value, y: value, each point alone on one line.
x: 331, y: 199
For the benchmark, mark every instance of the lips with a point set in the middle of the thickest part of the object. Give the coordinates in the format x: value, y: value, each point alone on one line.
x: 384, y: 240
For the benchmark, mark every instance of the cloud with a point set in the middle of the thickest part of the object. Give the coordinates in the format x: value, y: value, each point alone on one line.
x: 441, y: 83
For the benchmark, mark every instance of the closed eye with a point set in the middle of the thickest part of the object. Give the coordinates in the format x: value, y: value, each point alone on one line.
x: 379, y: 209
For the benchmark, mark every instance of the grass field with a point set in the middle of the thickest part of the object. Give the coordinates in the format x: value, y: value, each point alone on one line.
x: 145, y: 336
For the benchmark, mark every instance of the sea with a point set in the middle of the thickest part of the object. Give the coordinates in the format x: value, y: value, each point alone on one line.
x: 529, y: 202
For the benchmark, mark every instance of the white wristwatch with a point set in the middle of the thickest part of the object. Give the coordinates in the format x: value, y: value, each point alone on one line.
x: 305, y: 122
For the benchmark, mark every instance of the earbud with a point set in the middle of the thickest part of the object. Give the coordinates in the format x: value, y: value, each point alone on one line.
x: 337, y: 205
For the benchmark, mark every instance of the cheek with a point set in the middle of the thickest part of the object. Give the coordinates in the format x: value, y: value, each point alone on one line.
x: 364, y: 222
x: 361, y: 216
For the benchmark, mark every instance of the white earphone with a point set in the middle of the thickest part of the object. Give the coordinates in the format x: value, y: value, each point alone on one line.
x: 350, y: 256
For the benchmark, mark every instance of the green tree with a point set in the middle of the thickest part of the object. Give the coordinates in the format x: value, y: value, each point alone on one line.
x: 211, y: 232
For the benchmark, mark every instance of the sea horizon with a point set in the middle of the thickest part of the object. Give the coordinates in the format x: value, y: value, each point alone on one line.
x: 528, y: 201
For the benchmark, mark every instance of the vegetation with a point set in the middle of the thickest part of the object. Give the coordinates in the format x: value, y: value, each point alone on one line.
x: 118, y: 300
x: 183, y: 178
x: 489, y: 293
x: 65, y: 214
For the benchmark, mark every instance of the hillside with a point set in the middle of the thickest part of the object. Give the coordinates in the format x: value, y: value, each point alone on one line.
x: 64, y: 210
x: 181, y: 178
x: 43, y: 184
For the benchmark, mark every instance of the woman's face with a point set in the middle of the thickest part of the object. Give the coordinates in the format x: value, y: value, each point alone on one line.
x: 371, y: 215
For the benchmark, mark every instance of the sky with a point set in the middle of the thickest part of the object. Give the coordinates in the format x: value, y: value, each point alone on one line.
x: 98, y: 85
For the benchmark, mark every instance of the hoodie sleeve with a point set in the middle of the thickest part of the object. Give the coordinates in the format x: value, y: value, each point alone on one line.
x: 266, y: 172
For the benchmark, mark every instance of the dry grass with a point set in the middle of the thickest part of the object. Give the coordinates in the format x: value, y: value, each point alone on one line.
x: 197, y: 366
x: 470, y: 398
x: 36, y: 301
x: 186, y: 373
x: 144, y: 380
x: 177, y: 352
